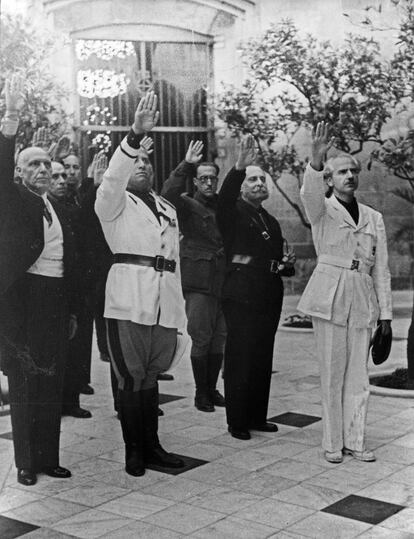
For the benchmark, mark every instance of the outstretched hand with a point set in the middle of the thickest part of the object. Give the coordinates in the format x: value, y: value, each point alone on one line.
x: 146, y: 144
x: 194, y: 152
x: 146, y: 115
x: 41, y: 138
x: 101, y: 164
x: 322, y: 141
x: 13, y: 91
x: 247, y: 152
x: 62, y: 148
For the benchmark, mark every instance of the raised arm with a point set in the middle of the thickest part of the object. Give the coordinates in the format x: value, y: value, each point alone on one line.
x: 176, y: 183
x: 110, y: 197
x: 9, y: 124
x: 313, y: 189
x: 230, y: 189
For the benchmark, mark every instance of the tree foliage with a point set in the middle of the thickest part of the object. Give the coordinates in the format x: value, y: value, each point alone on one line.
x: 295, y: 81
x: 27, y: 51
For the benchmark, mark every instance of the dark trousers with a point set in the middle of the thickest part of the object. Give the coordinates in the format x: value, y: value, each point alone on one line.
x: 78, y: 367
x: 248, y: 361
x: 36, y: 373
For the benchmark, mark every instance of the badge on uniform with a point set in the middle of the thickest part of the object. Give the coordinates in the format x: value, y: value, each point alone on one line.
x: 265, y: 235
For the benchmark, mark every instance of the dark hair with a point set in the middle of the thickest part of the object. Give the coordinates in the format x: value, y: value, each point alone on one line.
x: 209, y: 164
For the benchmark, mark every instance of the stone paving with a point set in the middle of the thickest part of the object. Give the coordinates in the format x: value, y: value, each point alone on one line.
x: 274, y: 485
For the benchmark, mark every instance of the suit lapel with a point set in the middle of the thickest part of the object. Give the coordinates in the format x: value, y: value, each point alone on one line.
x: 340, y: 210
x: 33, y: 204
x: 144, y: 209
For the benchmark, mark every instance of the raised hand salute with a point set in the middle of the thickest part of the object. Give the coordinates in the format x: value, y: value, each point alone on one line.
x: 194, y: 152
x: 146, y: 115
x: 322, y: 142
x: 247, y: 153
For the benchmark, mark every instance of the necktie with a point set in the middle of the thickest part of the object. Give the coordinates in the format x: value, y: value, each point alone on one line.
x: 47, y: 215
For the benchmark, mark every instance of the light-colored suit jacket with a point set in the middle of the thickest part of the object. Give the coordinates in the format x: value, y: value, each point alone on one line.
x: 351, y: 282
x: 133, y: 292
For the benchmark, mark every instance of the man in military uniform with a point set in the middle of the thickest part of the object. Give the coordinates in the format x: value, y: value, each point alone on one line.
x: 348, y: 292
x: 202, y: 270
x: 252, y: 292
x: 144, y: 304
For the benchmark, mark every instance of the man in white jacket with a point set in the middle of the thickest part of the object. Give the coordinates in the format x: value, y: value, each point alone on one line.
x: 144, y: 305
x: 348, y: 292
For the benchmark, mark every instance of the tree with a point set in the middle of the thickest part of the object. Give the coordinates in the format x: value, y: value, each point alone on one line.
x: 294, y: 82
x: 27, y: 51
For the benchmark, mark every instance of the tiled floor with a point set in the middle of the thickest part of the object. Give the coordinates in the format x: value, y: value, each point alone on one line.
x: 274, y: 485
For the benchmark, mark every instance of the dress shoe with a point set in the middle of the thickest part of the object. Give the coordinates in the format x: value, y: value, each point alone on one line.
x: 163, y: 376
x: 364, y: 456
x: 217, y: 398
x: 265, y: 427
x: 87, y: 390
x: 203, y: 403
x: 58, y: 471
x: 239, y: 433
x: 134, y: 462
x: 335, y: 457
x: 159, y: 457
x: 78, y: 412
x: 26, y: 477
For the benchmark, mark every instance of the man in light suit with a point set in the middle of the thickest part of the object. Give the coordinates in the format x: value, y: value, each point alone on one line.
x: 144, y: 304
x: 347, y: 294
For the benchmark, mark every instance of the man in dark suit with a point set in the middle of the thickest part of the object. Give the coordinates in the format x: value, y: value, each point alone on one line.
x: 252, y: 293
x: 37, y: 300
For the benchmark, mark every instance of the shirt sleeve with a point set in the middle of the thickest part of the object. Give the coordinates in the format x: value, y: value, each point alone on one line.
x: 110, y: 196
x: 381, y: 274
x: 312, y: 194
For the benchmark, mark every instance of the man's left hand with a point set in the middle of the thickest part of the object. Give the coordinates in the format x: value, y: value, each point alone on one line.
x: 73, y: 326
x: 385, y: 327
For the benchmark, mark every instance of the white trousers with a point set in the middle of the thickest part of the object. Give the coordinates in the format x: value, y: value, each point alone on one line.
x: 343, y: 358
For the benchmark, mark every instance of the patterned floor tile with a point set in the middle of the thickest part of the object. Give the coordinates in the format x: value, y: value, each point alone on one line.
x: 294, y: 419
x: 363, y: 509
x: 11, y: 528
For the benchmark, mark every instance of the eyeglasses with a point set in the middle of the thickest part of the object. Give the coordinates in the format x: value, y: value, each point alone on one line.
x: 205, y: 179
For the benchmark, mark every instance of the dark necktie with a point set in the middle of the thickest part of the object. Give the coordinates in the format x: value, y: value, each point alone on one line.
x: 47, y: 215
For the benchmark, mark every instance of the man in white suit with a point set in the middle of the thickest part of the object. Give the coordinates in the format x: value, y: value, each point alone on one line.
x: 144, y: 304
x: 347, y: 294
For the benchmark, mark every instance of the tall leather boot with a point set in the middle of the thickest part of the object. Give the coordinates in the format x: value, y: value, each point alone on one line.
x: 131, y: 416
x: 200, y: 370
x: 215, y: 362
x: 153, y: 451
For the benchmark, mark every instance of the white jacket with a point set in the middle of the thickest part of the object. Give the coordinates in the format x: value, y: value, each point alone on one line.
x: 139, y: 293
x: 339, y: 242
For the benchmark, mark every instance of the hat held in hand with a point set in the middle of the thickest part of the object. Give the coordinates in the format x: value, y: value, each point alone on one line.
x: 381, y: 345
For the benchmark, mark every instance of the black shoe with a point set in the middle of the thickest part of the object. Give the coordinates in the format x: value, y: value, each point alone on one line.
x: 26, y: 477
x: 217, y: 398
x: 203, y: 403
x: 58, y: 471
x: 78, y: 412
x: 87, y: 390
x: 160, y: 412
x: 239, y: 433
x: 159, y: 457
x: 265, y: 427
x: 134, y: 462
x: 165, y: 377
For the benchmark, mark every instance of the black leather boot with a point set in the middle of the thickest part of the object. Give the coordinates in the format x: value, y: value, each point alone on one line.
x: 154, y: 453
x: 215, y: 362
x: 200, y: 370
x: 131, y: 416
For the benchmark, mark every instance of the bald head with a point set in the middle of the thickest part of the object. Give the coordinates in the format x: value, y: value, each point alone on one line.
x: 34, y: 167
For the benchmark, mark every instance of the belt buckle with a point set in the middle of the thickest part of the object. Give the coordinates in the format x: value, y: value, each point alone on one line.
x: 274, y: 266
x: 355, y: 265
x: 159, y: 264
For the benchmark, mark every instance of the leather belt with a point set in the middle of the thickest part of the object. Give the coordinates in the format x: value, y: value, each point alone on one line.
x: 159, y: 263
x: 271, y: 265
x: 354, y: 264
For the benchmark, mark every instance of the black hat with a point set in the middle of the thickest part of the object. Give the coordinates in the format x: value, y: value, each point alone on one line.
x: 381, y: 345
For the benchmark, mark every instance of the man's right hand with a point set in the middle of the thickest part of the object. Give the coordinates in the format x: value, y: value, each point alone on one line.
x: 194, y: 152
x: 247, y: 153
x: 146, y: 115
x: 13, y: 90
x: 321, y: 143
